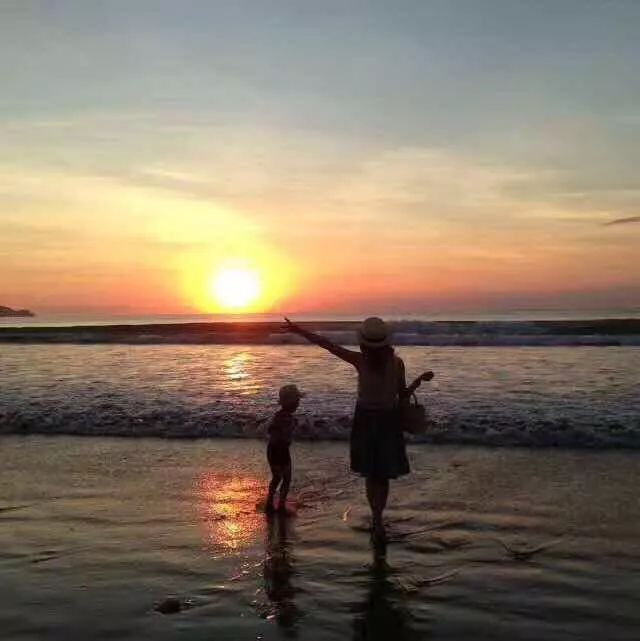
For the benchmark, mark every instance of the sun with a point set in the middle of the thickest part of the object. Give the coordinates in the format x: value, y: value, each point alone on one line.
x: 236, y: 288
x: 253, y: 282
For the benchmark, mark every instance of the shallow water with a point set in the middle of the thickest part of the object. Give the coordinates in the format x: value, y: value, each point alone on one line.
x: 527, y: 396
x: 94, y: 532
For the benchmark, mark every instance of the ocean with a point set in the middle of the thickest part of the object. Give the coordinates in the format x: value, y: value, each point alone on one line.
x: 511, y: 385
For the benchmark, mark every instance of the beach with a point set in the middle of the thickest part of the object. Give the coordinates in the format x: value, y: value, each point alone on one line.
x: 134, y: 478
x: 95, y: 533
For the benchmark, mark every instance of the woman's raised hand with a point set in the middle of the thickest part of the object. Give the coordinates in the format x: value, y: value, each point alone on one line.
x: 426, y: 376
x: 289, y: 326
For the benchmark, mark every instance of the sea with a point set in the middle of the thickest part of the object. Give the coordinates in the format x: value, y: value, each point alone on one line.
x: 548, y: 382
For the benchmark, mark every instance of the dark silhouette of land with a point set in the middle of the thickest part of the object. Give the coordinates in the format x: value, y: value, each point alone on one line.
x: 7, y: 312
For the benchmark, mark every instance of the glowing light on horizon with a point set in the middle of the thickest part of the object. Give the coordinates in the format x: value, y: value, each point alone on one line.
x: 253, y: 281
x: 236, y: 289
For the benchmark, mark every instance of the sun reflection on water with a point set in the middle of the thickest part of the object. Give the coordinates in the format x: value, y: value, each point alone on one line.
x: 238, y: 374
x: 235, y: 366
x: 228, y: 509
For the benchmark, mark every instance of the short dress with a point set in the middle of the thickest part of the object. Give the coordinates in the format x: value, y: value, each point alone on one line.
x: 378, y: 448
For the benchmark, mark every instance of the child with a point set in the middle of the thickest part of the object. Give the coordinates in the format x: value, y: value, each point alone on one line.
x: 280, y: 432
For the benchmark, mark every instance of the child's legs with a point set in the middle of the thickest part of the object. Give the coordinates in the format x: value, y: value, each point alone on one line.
x: 276, y: 471
x: 276, y: 477
x: 286, y: 483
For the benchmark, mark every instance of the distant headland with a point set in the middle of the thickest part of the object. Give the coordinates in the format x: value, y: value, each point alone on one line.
x: 8, y: 312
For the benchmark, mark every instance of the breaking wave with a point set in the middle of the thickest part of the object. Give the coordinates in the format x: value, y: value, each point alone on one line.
x: 497, y: 396
x: 171, y: 421
x: 547, y: 333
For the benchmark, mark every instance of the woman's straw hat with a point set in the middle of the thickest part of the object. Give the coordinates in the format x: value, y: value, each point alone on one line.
x: 374, y: 332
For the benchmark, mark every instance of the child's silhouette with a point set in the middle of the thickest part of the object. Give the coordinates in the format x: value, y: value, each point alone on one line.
x: 280, y: 433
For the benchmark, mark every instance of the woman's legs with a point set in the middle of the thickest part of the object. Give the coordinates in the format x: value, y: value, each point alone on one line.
x: 377, y: 493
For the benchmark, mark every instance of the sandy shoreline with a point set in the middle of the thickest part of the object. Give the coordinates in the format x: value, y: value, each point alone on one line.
x: 98, y: 531
x: 495, y: 440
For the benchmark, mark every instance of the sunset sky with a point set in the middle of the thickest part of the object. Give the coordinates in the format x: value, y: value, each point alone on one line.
x: 353, y: 156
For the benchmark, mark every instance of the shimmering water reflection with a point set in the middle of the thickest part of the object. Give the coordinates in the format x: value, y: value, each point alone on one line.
x: 228, y: 509
x: 497, y: 396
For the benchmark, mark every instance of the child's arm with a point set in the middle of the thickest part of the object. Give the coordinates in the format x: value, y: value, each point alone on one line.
x: 269, y: 429
x: 345, y: 354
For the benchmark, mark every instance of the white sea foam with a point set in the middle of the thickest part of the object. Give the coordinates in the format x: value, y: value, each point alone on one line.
x: 588, y: 397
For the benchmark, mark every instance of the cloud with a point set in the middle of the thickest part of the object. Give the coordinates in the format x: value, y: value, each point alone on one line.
x: 274, y: 176
x: 622, y: 221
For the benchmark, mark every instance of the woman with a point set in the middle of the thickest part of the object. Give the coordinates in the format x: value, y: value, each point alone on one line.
x: 378, y: 449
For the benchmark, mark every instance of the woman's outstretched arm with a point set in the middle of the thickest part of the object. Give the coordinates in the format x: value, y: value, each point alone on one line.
x: 345, y: 354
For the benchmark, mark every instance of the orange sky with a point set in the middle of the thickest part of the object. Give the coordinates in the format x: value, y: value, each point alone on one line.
x: 390, y: 172
x: 84, y: 242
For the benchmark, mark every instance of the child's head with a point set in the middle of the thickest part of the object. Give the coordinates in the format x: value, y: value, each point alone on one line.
x: 289, y: 397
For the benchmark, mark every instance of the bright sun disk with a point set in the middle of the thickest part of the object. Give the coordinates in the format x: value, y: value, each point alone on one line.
x: 236, y: 288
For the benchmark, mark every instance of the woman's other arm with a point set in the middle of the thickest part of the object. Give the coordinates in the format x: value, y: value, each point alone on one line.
x: 345, y: 354
x: 408, y: 391
x: 402, y: 381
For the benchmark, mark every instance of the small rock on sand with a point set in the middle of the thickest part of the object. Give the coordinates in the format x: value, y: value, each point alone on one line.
x: 170, y: 605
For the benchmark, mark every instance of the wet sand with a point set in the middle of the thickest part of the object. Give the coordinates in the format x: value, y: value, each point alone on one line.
x: 485, y: 544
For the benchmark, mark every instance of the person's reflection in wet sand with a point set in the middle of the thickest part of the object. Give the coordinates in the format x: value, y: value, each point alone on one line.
x: 382, y: 615
x: 278, y: 571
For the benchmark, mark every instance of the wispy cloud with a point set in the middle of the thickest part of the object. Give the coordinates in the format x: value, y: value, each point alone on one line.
x: 622, y: 221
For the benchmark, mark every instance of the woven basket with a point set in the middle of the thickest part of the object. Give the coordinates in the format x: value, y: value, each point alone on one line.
x: 413, y: 416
